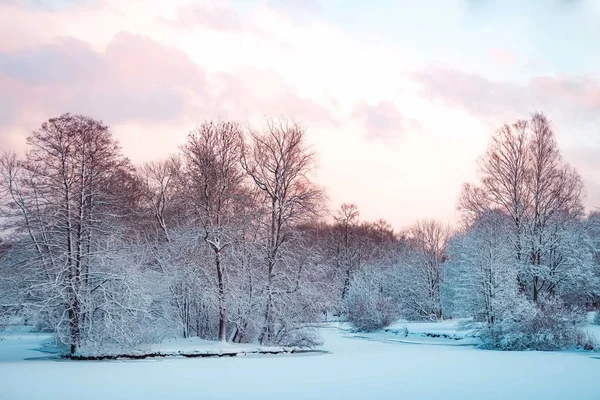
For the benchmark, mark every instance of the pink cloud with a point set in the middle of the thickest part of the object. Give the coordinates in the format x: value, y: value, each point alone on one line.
x: 383, y: 121
x: 248, y: 91
x: 16, y: 23
x: 473, y: 92
x: 569, y: 90
x: 26, y: 23
x: 570, y: 96
x: 221, y: 17
x: 143, y: 62
x: 137, y: 80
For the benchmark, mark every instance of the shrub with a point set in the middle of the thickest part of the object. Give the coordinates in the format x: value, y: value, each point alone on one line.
x: 298, y: 335
x: 367, y: 305
x: 526, y: 326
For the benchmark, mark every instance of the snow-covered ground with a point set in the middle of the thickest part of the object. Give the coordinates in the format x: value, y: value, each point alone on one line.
x: 199, y: 346
x: 445, y: 333
x: 357, y: 366
x: 191, y: 347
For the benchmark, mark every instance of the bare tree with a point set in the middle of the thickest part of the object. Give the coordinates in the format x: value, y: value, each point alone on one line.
x: 505, y: 182
x: 524, y: 176
x: 424, y: 270
x: 556, y: 191
x: 505, y: 175
x: 279, y: 162
x: 347, y: 252
x: 213, y: 154
x: 67, y: 192
x: 160, y: 189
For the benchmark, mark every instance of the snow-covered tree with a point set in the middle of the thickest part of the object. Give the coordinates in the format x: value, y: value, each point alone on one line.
x: 524, y: 176
x: 161, y: 192
x: 217, y: 193
x: 279, y: 163
x: 65, y: 199
x: 422, y: 266
x: 347, y: 244
x: 370, y: 303
x: 482, y: 270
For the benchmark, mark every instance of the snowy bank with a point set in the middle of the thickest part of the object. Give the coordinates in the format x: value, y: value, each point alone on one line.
x: 190, y: 348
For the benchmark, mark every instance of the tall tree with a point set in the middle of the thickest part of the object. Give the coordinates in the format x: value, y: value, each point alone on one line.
x: 67, y: 191
x: 428, y: 242
x: 524, y: 176
x: 556, y: 195
x: 279, y: 162
x: 213, y: 153
x: 347, y: 252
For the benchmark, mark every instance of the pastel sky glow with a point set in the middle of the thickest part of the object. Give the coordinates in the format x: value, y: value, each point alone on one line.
x: 399, y: 97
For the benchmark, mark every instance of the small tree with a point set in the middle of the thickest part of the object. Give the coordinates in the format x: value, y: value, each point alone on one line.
x: 482, y: 270
x: 347, y: 247
x: 369, y: 302
x: 424, y: 270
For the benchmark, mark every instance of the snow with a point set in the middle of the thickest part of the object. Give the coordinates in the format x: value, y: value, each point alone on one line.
x: 445, y: 333
x: 200, y: 346
x: 191, y: 347
x: 353, y: 368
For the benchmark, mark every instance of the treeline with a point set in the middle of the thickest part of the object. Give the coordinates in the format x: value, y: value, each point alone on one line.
x: 231, y: 240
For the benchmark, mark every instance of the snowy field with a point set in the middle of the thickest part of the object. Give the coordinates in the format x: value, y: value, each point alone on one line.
x: 386, y: 365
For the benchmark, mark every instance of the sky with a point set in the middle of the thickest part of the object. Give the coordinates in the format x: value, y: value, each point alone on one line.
x: 399, y: 98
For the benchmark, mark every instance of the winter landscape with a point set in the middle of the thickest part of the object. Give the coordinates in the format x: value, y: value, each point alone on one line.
x: 191, y: 207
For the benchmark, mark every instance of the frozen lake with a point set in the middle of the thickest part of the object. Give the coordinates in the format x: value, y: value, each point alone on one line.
x: 355, y: 368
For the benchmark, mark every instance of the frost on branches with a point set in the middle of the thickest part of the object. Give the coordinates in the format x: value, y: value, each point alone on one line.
x: 526, y: 255
x: 231, y: 240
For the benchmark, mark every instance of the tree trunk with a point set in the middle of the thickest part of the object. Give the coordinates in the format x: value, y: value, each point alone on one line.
x: 346, y: 284
x: 74, y: 331
x: 222, y: 311
x: 267, y: 332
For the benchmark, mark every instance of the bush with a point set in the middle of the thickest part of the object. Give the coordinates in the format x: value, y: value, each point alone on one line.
x: 367, y: 305
x: 298, y: 336
x: 526, y: 326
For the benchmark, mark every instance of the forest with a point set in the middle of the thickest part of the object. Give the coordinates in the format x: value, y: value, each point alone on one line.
x: 232, y: 240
